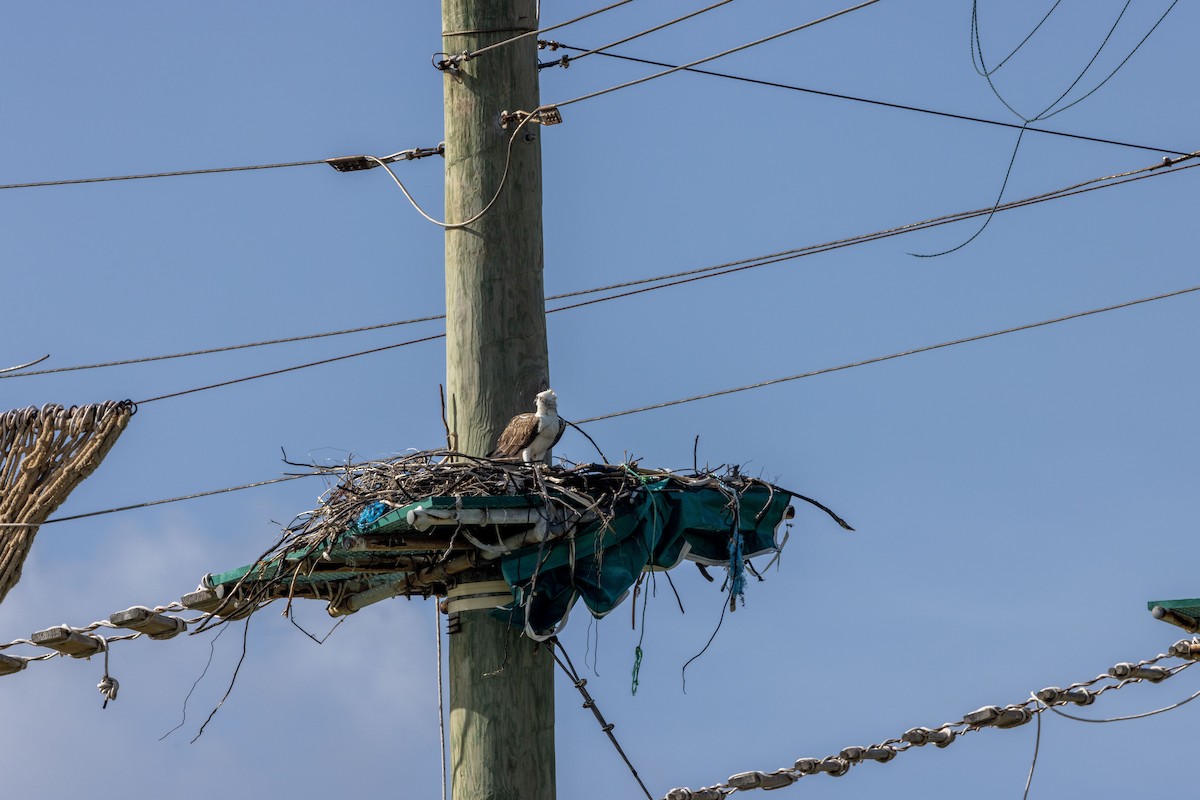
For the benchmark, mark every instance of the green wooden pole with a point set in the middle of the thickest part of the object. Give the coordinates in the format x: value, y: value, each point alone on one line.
x: 501, y: 690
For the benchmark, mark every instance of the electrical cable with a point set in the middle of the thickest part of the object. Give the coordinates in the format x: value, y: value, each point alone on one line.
x: 853, y: 98
x: 160, y: 174
x: 499, y: 189
x: 224, y: 349
x: 655, y: 29
x: 162, y: 502
x: 1091, y: 61
x: 1037, y: 739
x: 788, y: 255
x: 527, y: 34
x: 901, y: 354
x: 1116, y: 69
x: 680, y: 278
x: 999, y: 197
x: 339, y: 163
x: 982, y: 70
x: 1047, y: 112
x: 290, y: 369
x: 709, y: 395
x: 1143, y: 715
x: 606, y: 727
x: 722, y: 54
x: 1005, y: 718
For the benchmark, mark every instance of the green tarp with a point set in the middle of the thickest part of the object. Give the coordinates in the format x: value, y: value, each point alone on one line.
x: 600, y: 564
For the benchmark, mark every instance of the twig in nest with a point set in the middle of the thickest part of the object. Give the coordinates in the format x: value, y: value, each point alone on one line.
x: 232, y: 593
x: 299, y: 627
x: 212, y: 651
x: 603, y: 457
x: 232, y: 681
x: 828, y: 511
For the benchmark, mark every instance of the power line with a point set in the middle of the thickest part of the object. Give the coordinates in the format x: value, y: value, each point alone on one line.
x: 838, y: 96
x: 663, y: 281
x: 1085, y: 186
x: 224, y: 349
x: 162, y: 502
x: 1010, y: 716
x: 722, y: 54
x: 981, y: 69
x: 340, y: 163
x: 174, y: 627
x: 1142, y: 715
x: 670, y: 403
x: 580, y: 683
x: 648, y: 31
x: 289, y: 369
x: 159, y: 175
x: 154, y: 623
x: 523, y: 35
x: 995, y: 205
x: 487, y: 206
x: 1046, y: 113
x: 901, y: 354
x: 788, y: 255
x: 1116, y: 69
x: 1050, y: 111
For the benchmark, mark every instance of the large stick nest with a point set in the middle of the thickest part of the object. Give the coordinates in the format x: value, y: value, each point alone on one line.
x: 327, y: 539
x: 573, y: 490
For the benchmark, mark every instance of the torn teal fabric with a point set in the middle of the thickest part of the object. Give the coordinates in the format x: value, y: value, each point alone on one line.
x: 661, y: 526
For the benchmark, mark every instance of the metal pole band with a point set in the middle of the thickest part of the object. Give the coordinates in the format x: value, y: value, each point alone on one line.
x: 474, y: 596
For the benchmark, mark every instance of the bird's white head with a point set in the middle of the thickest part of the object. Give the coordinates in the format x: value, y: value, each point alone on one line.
x: 547, y: 401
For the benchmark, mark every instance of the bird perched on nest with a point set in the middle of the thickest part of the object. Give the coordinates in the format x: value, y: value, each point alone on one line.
x: 532, y: 435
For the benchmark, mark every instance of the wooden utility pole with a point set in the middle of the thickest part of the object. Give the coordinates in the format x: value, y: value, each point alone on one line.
x: 501, y: 690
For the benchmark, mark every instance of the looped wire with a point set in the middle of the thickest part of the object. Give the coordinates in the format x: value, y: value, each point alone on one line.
x: 108, y: 685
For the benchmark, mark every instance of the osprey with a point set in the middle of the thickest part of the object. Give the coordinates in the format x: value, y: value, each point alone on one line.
x: 532, y: 435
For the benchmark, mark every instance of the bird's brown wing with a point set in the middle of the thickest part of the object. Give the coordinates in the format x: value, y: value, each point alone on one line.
x: 517, y: 435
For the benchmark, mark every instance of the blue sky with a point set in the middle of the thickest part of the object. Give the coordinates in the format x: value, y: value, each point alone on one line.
x: 1016, y: 500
